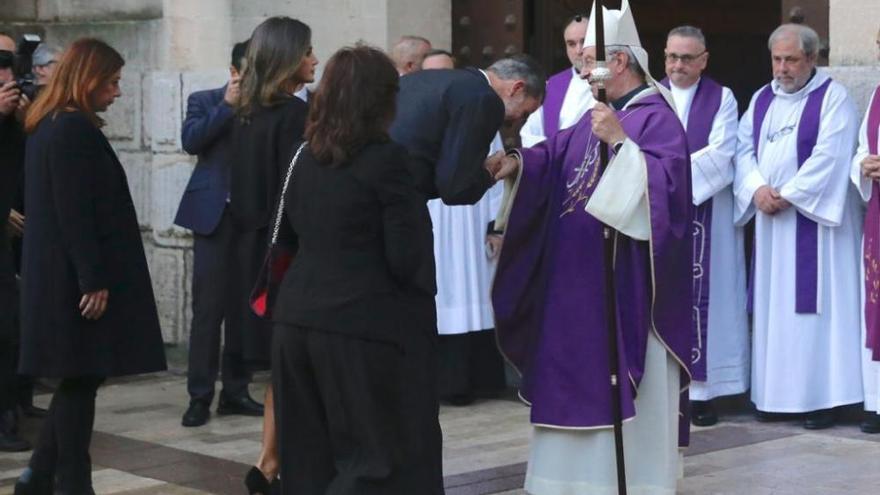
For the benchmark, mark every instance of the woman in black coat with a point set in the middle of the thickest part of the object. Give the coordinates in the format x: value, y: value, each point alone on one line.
x: 353, y: 354
x: 269, y: 121
x: 88, y: 310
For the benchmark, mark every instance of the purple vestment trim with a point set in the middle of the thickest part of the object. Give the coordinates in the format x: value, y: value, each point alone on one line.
x: 557, y: 87
x: 872, y: 241
x: 704, y: 108
x: 807, y: 250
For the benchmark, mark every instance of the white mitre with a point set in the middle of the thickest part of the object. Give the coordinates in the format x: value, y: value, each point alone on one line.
x: 620, y: 30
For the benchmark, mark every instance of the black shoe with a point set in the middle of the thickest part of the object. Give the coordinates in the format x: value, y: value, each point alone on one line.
x: 11, y: 442
x: 703, y: 413
x: 197, y: 414
x: 32, y: 411
x: 256, y: 483
x: 871, y: 423
x: 819, y: 420
x: 459, y: 400
x: 29, y: 483
x: 767, y: 417
x: 242, y: 405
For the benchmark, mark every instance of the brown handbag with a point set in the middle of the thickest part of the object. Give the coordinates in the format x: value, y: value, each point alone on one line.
x: 278, y: 257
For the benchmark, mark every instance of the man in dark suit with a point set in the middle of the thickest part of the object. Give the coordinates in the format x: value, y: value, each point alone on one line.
x: 448, y: 118
x: 204, y: 210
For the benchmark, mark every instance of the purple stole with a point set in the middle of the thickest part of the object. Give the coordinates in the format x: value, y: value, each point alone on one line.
x: 807, y: 254
x: 704, y: 108
x: 557, y: 86
x: 872, y: 241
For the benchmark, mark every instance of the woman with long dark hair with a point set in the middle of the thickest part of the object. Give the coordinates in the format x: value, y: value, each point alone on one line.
x: 88, y: 310
x: 269, y: 121
x: 355, y: 329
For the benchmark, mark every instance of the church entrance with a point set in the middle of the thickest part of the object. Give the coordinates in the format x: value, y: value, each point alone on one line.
x: 736, y: 30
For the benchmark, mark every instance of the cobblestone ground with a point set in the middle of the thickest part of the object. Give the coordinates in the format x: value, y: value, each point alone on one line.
x: 139, y: 448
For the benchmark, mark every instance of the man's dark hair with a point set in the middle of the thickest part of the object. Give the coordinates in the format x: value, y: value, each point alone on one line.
x: 238, y: 53
x: 354, y: 105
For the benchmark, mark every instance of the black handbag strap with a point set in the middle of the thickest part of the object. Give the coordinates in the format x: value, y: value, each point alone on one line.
x: 280, y: 211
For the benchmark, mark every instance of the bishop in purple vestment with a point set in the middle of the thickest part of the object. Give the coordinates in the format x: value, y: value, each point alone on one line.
x: 549, y: 293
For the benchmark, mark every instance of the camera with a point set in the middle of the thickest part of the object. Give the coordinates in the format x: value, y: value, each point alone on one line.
x: 22, y: 64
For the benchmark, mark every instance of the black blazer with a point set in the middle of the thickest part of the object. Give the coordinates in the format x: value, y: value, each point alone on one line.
x: 364, y: 245
x: 206, y: 133
x: 260, y: 154
x: 447, y: 120
x: 82, y: 235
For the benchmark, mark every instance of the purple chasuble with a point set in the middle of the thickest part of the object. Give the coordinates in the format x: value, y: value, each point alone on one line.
x: 872, y: 240
x: 557, y: 87
x: 807, y: 255
x: 701, y: 116
x: 549, y: 296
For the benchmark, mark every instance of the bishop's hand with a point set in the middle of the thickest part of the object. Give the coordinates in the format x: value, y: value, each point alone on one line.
x: 508, y: 167
x: 871, y: 167
x: 606, y: 125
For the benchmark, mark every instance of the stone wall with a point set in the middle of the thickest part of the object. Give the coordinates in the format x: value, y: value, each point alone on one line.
x: 175, y: 47
x: 853, y: 30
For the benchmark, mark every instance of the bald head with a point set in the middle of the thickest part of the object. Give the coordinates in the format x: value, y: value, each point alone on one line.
x: 409, y: 52
x: 6, y: 42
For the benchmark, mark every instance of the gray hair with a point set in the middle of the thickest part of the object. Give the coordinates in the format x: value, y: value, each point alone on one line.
x: 45, y: 54
x: 808, y: 38
x: 409, y: 49
x: 525, y: 68
x: 632, y: 62
x: 689, y: 32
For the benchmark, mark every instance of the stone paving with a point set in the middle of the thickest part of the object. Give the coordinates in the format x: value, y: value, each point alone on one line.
x: 139, y: 448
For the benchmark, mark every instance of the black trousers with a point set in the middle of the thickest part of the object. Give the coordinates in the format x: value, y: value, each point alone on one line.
x: 212, y: 296
x: 8, y: 325
x: 62, y: 450
x: 470, y: 365
x: 354, y: 416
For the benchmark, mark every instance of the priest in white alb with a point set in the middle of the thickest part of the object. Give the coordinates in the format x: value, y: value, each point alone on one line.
x: 708, y: 112
x: 568, y: 96
x: 866, y: 177
x: 549, y: 293
x: 793, y: 161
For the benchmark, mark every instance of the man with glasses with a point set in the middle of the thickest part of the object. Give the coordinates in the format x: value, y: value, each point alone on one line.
x: 708, y: 112
x: 568, y: 96
x: 794, y: 149
x: 45, y: 59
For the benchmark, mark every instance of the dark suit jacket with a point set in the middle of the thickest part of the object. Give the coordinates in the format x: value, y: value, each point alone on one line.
x: 364, y: 243
x: 82, y: 235
x: 261, y: 151
x: 447, y: 120
x: 206, y: 133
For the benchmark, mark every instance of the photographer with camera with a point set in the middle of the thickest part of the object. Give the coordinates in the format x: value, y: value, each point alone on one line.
x: 12, y: 107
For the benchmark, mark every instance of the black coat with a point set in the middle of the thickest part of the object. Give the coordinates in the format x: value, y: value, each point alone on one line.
x: 82, y: 235
x: 11, y: 158
x: 260, y: 155
x: 447, y: 120
x: 364, y: 244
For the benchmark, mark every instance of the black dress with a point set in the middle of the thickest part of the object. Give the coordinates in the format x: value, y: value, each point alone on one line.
x: 353, y: 362
x: 261, y: 150
x: 82, y: 235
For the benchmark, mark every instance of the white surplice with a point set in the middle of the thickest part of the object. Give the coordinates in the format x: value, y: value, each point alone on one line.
x: 578, y: 99
x: 803, y: 362
x: 870, y: 368
x: 727, y: 349
x: 565, y: 461
x: 464, y: 270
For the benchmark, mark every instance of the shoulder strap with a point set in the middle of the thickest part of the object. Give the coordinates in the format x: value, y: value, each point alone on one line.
x: 280, y: 211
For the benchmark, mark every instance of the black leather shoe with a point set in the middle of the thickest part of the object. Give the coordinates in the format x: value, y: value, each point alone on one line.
x: 819, y: 420
x: 703, y: 413
x: 32, y: 411
x: 256, y: 483
x: 242, y: 405
x: 767, y: 417
x: 871, y: 423
x: 197, y: 414
x: 29, y: 483
x: 9, y: 439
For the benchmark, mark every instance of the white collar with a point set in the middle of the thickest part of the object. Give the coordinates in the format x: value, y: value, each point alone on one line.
x: 486, y: 76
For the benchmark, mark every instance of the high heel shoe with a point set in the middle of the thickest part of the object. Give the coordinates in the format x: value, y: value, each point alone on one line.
x: 256, y: 483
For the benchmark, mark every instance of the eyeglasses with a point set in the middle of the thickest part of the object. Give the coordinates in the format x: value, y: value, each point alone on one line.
x: 685, y: 59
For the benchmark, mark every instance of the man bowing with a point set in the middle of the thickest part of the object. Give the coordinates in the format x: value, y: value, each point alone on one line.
x: 708, y: 112
x: 549, y: 295
x: 793, y: 160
